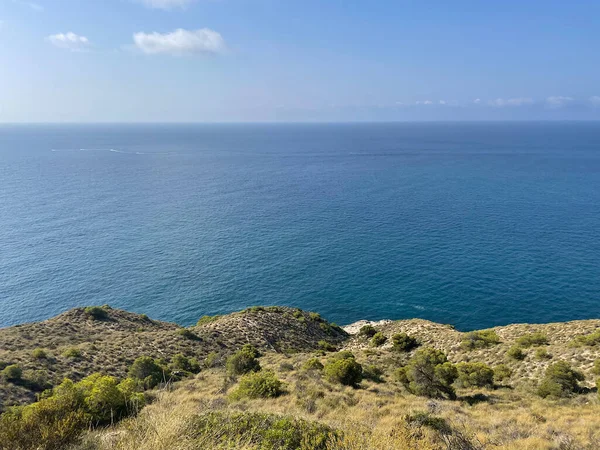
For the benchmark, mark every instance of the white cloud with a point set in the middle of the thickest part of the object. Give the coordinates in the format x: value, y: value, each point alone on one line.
x: 69, y: 41
x: 477, y: 101
x: 166, y: 4
x: 521, y: 101
x: 558, y: 101
x: 180, y: 42
x: 423, y: 102
x: 442, y: 102
x: 595, y: 100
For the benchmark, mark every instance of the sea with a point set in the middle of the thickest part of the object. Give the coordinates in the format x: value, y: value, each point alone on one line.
x: 470, y: 224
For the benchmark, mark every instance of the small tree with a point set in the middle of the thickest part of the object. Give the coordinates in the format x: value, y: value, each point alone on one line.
x: 378, y: 339
x: 402, y: 342
x: 368, y: 331
x: 243, y: 361
x: 480, y: 339
x: 429, y: 373
x: 148, y: 371
x: 474, y: 374
x: 560, y: 380
x: 12, y: 373
x: 532, y: 339
x: 502, y: 372
x: 183, y: 363
x: 515, y: 352
x: 344, y: 369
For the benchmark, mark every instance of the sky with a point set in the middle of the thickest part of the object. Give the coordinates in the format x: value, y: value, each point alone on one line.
x: 291, y: 60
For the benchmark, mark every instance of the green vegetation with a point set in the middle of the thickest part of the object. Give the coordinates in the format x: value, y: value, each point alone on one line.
x: 378, y: 339
x: 480, y: 339
x: 373, y: 373
x: 313, y: 364
x: 474, y: 374
x: 261, y: 431
x: 542, y: 354
x: 72, y: 352
x: 516, y: 353
x: 185, y: 364
x: 12, y: 373
x: 326, y: 346
x: 532, y: 339
x: 596, y: 369
x: 402, y: 342
x: 588, y: 340
x: 187, y: 333
x: 243, y: 361
x: 429, y: 373
x: 263, y: 384
x: 96, y: 312
x: 39, y: 353
x: 368, y: 331
x: 207, y: 319
x: 149, y: 372
x: 502, y: 373
x: 560, y: 380
x: 343, y: 368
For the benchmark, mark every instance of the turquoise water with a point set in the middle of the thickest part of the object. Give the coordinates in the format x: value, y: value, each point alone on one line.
x: 470, y: 224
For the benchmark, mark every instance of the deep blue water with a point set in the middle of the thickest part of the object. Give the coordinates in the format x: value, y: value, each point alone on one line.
x: 470, y: 224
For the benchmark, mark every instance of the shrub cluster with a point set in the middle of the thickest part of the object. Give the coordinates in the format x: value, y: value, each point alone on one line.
x: 560, y: 380
x: 313, y: 364
x: 96, y: 312
x: 480, y: 339
x: 342, y: 368
x: 532, y: 339
x: 516, y: 352
x: 474, y: 374
x: 180, y: 362
x: 402, y: 342
x: 263, y: 384
x: 368, y: 331
x: 588, y: 340
x: 243, y: 361
x: 149, y: 372
x: 378, y: 339
x: 429, y: 373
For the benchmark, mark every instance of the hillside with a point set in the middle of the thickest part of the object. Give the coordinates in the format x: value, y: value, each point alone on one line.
x: 298, y: 399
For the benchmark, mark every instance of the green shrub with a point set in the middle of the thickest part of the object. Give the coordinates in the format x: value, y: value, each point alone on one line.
x: 263, y: 384
x: 378, y: 339
x: 342, y: 368
x: 211, y: 360
x: 261, y: 431
x: 315, y: 316
x: 312, y: 364
x: 373, y: 373
x: 96, y: 312
x: 148, y: 371
x: 185, y: 364
x: 588, y: 340
x: 542, y: 353
x: 326, y: 346
x: 425, y: 419
x: 243, y: 361
x: 474, y: 374
x: 532, y: 339
x: 39, y: 353
x: 368, y: 331
x: 72, y: 352
x: 328, y: 329
x: 515, y: 352
x: 12, y: 373
x: 207, y: 319
x: 188, y: 334
x: 480, y: 339
x: 595, y: 370
x: 560, y: 380
x: 429, y: 373
x: 286, y: 367
x: 502, y: 372
x: 402, y: 342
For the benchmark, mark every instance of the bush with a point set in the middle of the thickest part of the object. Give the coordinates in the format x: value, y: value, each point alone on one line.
x: 96, y: 312
x: 72, y: 352
x: 378, y: 339
x: 185, y: 364
x: 243, y: 361
x: 286, y: 367
x: 589, y: 340
x: 148, y: 371
x: 326, y: 346
x: 402, y: 342
x: 211, y: 360
x: 425, y: 419
x: 262, y: 384
x: 596, y: 368
x: 39, y: 353
x: 542, y: 353
x: 532, y: 339
x: 480, y: 339
x: 373, y: 373
x: 474, y: 374
x: 187, y: 333
x: 315, y: 316
x: 344, y: 369
x: 261, y: 431
x: 502, y: 372
x: 515, y: 352
x: 368, y: 331
x: 429, y: 373
x: 207, y: 319
x: 12, y: 373
x: 313, y: 364
x: 560, y: 380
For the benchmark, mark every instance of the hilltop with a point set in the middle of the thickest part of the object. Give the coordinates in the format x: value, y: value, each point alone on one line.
x: 293, y: 394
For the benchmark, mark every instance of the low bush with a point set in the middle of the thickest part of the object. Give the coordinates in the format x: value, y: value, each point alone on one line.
x: 516, y: 352
x: 480, y: 339
x: 312, y: 364
x: 368, y: 331
x: 560, y: 380
x: 207, y: 319
x: 326, y: 346
x: 212, y: 360
x: 262, y: 384
x: 96, y: 312
x: 72, y: 352
x: 342, y: 368
x: 425, y: 419
x: 148, y: 371
x: 373, y: 373
x: 402, y: 342
x: 315, y: 316
x: 39, y: 353
x: 378, y: 339
x: 12, y: 372
x: 502, y: 372
x: 542, y: 354
x: 532, y: 339
x: 588, y: 340
x: 429, y: 373
x: 474, y: 374
x: 243, y: 361
x: 596, y: 368
x: 261, y: 431
x: 185, y: 364
x: 187, y: 334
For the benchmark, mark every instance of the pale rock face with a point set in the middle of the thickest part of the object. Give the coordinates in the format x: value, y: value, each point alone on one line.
x: 355, y: 327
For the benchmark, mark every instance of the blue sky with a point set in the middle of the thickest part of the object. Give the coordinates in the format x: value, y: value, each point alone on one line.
x: 288, y: 60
